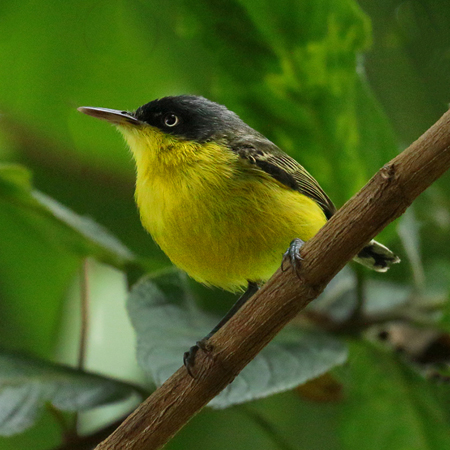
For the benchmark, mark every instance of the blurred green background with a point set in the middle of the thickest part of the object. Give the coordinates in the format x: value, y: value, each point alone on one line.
x: 342, y: 86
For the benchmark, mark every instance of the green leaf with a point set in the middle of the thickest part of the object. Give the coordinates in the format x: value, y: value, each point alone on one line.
x: 167, y: 324
x: 26, y: 384
x: 293, y: 358
x: 53, y: 220
x: 87, y: 228
x: 389, y: 406
x: 294, y: 77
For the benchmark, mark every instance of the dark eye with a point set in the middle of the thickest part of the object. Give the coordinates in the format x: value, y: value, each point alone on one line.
x: 170, y: 120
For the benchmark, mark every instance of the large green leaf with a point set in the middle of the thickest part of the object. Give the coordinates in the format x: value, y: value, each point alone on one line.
x: 35, y: 270
x: 167, y: 323
x: 389, y: 406
x: 26, y: 384
x: 55, y: 222
x: 295, y: 78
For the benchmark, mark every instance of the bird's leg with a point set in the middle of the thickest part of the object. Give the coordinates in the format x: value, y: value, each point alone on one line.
x: 189, y: 356
x: 293, y: 254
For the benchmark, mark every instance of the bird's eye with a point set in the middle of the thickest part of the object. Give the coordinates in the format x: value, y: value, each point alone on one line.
x: 170, y: 120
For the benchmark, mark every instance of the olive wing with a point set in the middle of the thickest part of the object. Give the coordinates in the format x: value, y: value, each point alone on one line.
x: 272, y: 160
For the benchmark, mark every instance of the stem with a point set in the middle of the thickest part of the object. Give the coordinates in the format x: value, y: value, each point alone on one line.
x: 84, y: 305
x: 360, y: 295
x: 84, y: 325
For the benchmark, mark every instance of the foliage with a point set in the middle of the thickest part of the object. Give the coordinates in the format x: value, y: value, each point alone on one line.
x: 167, y: 323
x: 26, y: 384
x: 391, y: 401
x: 340, y: 89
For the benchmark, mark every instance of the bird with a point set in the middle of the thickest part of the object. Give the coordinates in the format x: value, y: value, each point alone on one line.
x: 220, y: 199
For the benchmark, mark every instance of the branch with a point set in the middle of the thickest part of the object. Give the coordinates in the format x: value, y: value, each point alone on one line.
x: 385, y: 197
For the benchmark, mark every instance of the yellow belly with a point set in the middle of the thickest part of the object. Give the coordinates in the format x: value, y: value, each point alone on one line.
x: 225, y: 230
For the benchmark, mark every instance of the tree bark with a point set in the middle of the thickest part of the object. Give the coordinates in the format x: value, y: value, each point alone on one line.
x: 385, y: 197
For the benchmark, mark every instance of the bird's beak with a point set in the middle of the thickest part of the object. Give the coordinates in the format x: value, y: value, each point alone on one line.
x: 113, y: 116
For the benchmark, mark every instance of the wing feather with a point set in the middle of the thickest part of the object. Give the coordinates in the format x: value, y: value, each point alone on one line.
x: 272, y: 160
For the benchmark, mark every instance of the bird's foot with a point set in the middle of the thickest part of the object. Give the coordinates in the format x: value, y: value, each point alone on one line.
x: 293, y: 255
x: 189, y: 356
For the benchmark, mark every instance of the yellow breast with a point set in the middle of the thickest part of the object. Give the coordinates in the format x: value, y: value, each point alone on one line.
x: 217, y: 217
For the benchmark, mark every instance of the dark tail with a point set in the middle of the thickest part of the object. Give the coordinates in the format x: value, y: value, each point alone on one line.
x: 377, y: 257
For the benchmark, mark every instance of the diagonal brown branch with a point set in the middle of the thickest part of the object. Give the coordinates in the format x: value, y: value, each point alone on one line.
x: 385, y: 197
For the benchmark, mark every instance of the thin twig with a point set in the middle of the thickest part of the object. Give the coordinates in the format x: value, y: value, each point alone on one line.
x: 84, y: 308
x: 84, y: 327
x: 360, y: 294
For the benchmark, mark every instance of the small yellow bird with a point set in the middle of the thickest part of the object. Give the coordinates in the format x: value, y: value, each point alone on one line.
x: 221, y: 200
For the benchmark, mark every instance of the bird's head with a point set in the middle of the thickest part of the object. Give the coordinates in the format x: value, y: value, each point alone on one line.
x: 179, y: 125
